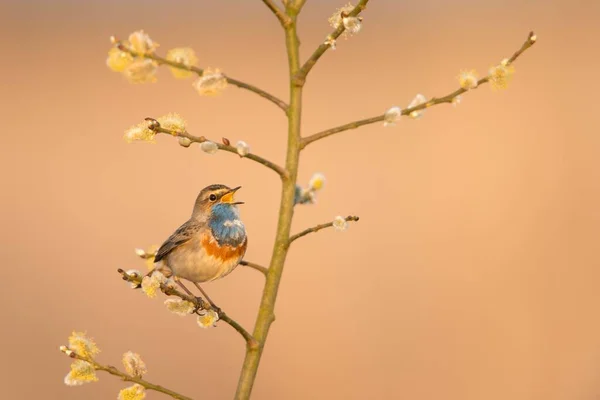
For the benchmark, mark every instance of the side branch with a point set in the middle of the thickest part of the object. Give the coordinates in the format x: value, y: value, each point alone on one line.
x: 257, y: 267
x: 300, y: 76
x: 199, y: 71
x: 198, y: 303
x: 351, y: 125
x: 317, y: 228
x: 283, y: 18
x: 531, y: 39
x: 127, y: 378
x: 155, y: 126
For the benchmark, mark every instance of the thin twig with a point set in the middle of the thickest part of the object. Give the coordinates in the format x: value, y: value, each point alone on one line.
x: 317, y: 228
x: 251, y: 343
x: 257, y: 267
x: 199, y: 71
x: 530, y: 41
x: 351, y: 125
x: 198, y: 303
x: 127, y: 378
x: 200, y: 139
x: 300, y: 77
x: 283, y: 18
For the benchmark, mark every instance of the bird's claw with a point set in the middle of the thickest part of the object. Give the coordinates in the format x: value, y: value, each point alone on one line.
x: 203, y: 305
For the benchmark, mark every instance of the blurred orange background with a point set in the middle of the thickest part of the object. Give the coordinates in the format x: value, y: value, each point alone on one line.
x: 472, y: 274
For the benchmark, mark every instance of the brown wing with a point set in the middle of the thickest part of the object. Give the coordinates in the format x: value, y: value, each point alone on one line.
x: 183, y: 234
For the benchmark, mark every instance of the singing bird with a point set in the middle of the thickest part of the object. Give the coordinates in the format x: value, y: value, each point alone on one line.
x: 210, y: 244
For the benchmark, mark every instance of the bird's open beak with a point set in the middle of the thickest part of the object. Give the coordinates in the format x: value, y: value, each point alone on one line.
x: 228, y: 196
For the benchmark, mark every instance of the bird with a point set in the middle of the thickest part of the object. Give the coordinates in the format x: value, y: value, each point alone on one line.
x: 210, y: 244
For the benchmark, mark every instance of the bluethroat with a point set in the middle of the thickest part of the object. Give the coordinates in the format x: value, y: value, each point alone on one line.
x: 210, y: 244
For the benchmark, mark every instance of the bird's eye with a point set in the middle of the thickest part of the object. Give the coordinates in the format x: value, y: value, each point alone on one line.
x: 212, y: 197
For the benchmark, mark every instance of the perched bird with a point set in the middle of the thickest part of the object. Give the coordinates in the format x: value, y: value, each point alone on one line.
x: 210, y: 244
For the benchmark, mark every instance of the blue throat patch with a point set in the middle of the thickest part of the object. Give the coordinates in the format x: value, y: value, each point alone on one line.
x: 223, y: 227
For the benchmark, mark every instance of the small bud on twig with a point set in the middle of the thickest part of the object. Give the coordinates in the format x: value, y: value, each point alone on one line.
x: 67, y: 351
x: 209, y: 147
x: 468, y: 79
x: 242, y: 148
x: 340, y: 223
x: 456, y: 100
x: 532, y: 37
x: 152, y: 123
x: 140, y: 252
x: 391, y: 116
x: 329, y: 41
x: 184, y: 142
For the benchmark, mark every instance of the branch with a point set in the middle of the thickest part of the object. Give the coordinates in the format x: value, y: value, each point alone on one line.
x: 127, y: 378
x: 300, y: 4
x: 266, y: 313
x: 351, y: 125
x: 317, y: 228
x: 163, y: 61
x: 283, y: 18
x: 300, y: 76
x: 257, y: 267
x: 198, y: 303
x: 293, y: 7
x: 155, y: 126
x: 530, y: 41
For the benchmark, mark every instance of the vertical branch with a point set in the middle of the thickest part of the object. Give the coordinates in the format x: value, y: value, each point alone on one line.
x: 266, y: 314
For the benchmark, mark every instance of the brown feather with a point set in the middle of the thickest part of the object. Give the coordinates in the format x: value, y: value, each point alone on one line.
x: 182, y: 235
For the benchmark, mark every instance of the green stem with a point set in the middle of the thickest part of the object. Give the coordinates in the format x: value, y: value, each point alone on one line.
x: 266, y: 314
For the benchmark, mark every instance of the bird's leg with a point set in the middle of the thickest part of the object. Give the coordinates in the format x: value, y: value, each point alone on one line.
x: 184, y: 288
x: 212, y: 304
x: 199, y: 299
